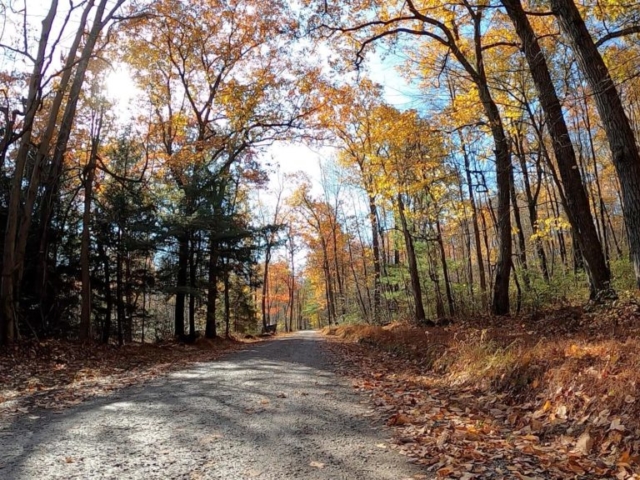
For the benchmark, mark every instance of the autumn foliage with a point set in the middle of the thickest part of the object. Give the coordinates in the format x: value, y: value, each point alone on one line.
x: 554, y: 396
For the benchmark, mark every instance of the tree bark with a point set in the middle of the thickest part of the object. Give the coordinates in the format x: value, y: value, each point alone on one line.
x: 60, y: 148
x: 577, y: 202
x: 212, y: 293
x: 9, y: 266
x: 90, y: 170
x: 622, y: 142
x: 476, y: 226
x: 227, y: 301
x: 265, y: 286
x: 375, y: 245
x: 445, y: 271
x: 192, y: 288
x: 106, y: 329
x: 181, y: 284
x: 522, y: 245
x: 419, y: 316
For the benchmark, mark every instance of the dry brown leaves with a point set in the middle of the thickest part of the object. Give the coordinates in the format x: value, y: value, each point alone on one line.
x: 471, y: 429
x: 55, y: 374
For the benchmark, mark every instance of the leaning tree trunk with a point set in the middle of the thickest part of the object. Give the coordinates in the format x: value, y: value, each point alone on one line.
x: 577, y: 202
x: 622, y: 142
x: 64, y: 132
x: 500, y: 302
x: 7, y: 289
x: 500, y: 305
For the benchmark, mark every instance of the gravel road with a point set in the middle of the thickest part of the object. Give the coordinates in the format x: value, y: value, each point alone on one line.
x: 272, y: 411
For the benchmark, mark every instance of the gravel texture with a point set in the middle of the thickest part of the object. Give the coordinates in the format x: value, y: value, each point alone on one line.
x: 272, y: 411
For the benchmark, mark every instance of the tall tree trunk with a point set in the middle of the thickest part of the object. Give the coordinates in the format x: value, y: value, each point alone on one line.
x: 227, y: 301
x: 522, y: 244
x: 624, y: 150
x: 331, y: 305
x: 598, y: 203
x: 532, y: 208
x: 192, y: 289
x: 375, y: 245
x: 445, y: 271
x: 129, y: 300
x: 64, y: 132
x: 577, y: 202
x: 181, y: 285
x: 500, y: 304
x: 265, y: 287
x: 359, y: 296
x: 292, y: 277
x: 476, y: 227
x: 7, y: 289
x: 466, y: 245
x: 212, y: 293
x: 476, y: 70
x: 420, y: 316
x: 338, y: 275
x: 106, y: 330
x: 119, y: 290
x: 90, y: 170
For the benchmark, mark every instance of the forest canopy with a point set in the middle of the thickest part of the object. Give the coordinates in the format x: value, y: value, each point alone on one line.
x: 505, y: 180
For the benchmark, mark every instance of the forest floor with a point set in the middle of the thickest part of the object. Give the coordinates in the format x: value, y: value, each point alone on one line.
x: 54, y: 374
x: 554, y: 395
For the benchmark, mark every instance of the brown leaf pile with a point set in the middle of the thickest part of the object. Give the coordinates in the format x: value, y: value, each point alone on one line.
x: 562, y: 406
x: 55, y: 374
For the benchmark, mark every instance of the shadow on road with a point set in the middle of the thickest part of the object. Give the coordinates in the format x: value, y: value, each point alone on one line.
x: 271, y: 411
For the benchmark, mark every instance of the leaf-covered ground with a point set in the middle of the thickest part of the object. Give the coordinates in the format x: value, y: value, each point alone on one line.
x: 544, y: 397
x: 55, y: 374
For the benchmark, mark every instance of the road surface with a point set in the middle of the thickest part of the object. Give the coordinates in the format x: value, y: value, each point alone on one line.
x: 272, y: 411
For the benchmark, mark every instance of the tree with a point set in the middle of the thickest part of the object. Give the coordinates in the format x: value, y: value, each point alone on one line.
x: 69, y: 88
x: 620, y: 135
x: 440, y: 25
x: 575, y: 196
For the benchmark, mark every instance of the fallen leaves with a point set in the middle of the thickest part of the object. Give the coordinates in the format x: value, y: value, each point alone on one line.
x: 584, y: 445
x: 54, y: 374
x: 458, y: 431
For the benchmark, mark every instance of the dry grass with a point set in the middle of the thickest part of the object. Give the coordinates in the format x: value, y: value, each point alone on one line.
x: 586, y: 362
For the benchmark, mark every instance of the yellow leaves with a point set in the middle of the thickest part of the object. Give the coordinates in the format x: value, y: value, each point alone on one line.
x: 546, y: 227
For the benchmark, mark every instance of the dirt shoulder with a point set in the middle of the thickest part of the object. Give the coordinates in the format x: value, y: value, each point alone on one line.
x: 54, y: 374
